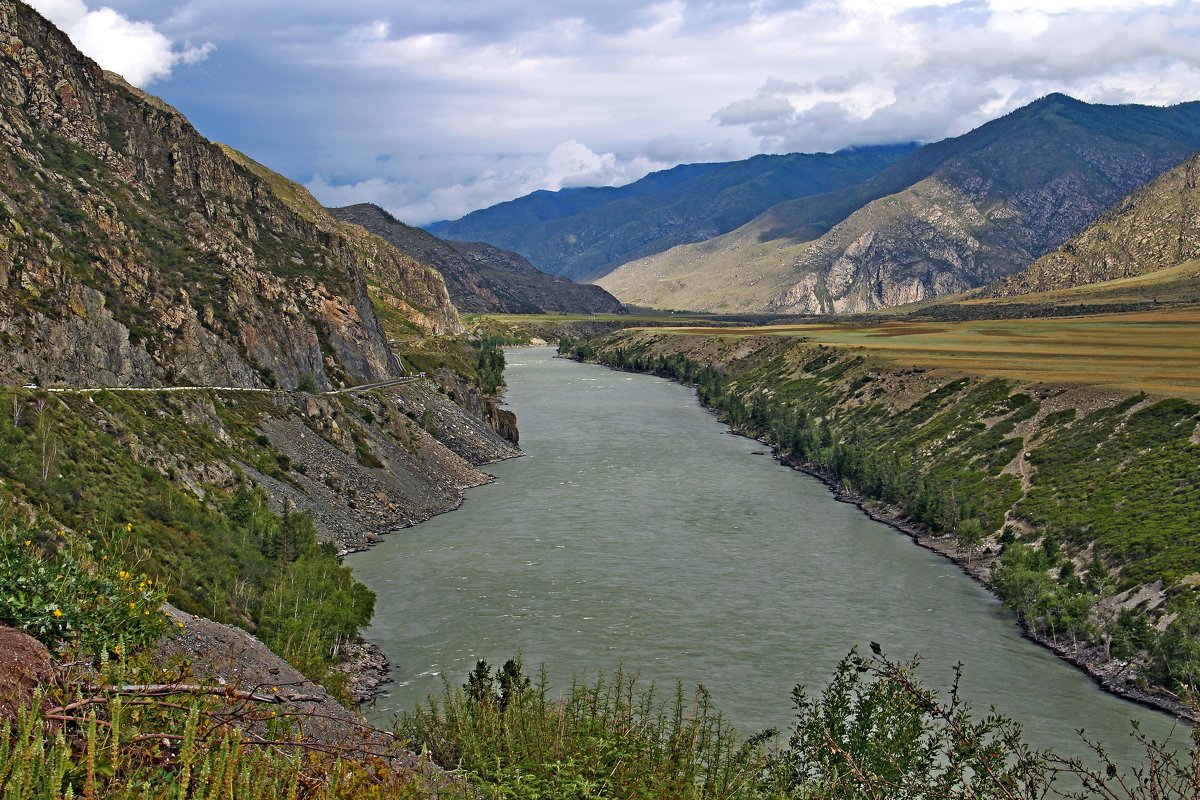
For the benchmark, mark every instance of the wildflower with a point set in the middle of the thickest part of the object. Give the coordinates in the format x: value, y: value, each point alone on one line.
x: 57, y: 612
x: 129, y: 527
x: 132, y: 605
x: 123, y: 575
x: 180, y: 624
x: 28, y: 542
x: 117, y: 649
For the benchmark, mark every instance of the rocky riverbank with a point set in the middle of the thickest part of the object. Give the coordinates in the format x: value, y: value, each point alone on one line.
x: 1114, y: 675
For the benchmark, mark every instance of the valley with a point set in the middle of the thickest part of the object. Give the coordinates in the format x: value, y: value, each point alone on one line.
x: 260, y: 448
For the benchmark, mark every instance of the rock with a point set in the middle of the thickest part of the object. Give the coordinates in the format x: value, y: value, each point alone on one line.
x: 25, y: 664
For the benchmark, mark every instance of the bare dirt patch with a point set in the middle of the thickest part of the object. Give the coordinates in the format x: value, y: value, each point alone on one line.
x: 25, y: 664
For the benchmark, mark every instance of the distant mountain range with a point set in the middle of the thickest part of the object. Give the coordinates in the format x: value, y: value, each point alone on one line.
x: 585, y: 233
x: 482, y: 278
x: 947, y: 217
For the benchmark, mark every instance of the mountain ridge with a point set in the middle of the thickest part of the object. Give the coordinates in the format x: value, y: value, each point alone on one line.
x: 582, y: 233
x: 956, y: 214
x: 135, y: 252
x: 482, y: 278
x: 1155, y: 228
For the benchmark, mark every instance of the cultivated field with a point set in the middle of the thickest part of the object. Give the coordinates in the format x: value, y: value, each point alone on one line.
x: 1157, y: 352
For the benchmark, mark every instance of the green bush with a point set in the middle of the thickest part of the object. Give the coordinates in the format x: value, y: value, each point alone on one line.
x: 79, y: 589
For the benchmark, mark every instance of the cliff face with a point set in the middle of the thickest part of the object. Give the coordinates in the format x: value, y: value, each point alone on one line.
x: 134, y: 252
x: 1155, y: 228
x: 482, y: 278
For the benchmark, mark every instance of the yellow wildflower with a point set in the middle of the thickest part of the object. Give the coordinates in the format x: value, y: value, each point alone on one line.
x: 132, y: 605
x: 123, y: 575
x: 129, y: 527
x: 28, y: 542
x: 57, y: 612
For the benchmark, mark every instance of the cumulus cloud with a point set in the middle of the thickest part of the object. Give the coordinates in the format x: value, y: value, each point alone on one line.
x: 415, y: 195
x: 135, y: 50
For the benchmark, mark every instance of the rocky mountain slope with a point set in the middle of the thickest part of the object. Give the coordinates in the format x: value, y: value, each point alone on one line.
x: 1155, y: 228
x: 134, y: 252
x: 480, y: 277
x: 954, y: 215
x: 584, y: 233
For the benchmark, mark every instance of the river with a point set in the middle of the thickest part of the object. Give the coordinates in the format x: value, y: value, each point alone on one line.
x: 638, y: 530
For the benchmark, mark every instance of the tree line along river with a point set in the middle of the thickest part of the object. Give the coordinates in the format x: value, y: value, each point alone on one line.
x: 637, y: 530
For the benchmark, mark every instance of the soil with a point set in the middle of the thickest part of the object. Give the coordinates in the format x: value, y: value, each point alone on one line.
x: 25, y: 664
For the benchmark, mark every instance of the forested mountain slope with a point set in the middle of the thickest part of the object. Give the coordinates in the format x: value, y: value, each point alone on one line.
x: 1155, y: 228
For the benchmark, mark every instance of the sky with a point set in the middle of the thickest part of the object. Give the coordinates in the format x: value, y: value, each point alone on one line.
x: 434, y: 108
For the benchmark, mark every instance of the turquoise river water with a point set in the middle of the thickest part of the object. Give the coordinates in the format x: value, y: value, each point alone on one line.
x: 638, y: 530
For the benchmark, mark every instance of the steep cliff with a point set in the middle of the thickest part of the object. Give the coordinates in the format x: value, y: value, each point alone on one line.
x: 134, y: 252
x: 480, y: 277
x: 1153, y: 229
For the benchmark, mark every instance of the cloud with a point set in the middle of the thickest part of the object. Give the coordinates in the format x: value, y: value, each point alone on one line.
x: 914, y: 70
x: 478, y: 101
x: 415, y: 191
x: 136, y: 50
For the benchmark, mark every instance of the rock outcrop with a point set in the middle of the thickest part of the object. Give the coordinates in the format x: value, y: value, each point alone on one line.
x: 134, y: 252
x: 1155, y: 228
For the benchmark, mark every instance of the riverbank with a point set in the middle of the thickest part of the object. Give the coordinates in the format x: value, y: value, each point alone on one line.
x: 963, y: 447
x: 1113, y: 676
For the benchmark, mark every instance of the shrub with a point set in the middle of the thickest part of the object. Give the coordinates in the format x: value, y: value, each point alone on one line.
x: 86, y: 591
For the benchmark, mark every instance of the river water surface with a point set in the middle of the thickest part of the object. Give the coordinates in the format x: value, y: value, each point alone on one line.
x: 637, y: 529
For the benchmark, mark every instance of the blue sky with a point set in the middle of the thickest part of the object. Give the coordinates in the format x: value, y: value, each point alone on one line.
x: 433, y: 109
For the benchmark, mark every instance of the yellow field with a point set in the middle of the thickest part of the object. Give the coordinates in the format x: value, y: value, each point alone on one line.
x: 1157, y: 352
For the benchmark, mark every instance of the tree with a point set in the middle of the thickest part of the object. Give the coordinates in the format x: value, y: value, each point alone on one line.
x: 969, y: 536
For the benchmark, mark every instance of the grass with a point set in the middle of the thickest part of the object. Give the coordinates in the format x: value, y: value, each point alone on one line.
x: 1157, y: 352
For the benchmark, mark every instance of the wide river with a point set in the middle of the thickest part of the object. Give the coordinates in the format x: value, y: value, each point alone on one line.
x: 638, y: 530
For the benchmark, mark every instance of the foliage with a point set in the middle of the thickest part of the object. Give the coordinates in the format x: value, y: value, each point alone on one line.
x: 489, y: 362
x: 79, y: 590
x: 876, y: 732
x: 611, y: 738
x: 92, y: 741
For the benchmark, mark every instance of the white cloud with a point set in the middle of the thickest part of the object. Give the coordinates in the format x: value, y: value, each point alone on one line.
x: 136, y: 50
x: 485, y: 182
x: 477, y: 101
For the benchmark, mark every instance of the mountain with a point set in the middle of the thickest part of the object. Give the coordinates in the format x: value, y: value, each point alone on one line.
x: 584, y: 233
x: 134, y: 252
x: 954, y: 215
x: 1154, y: 229
x: 480, y: 277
